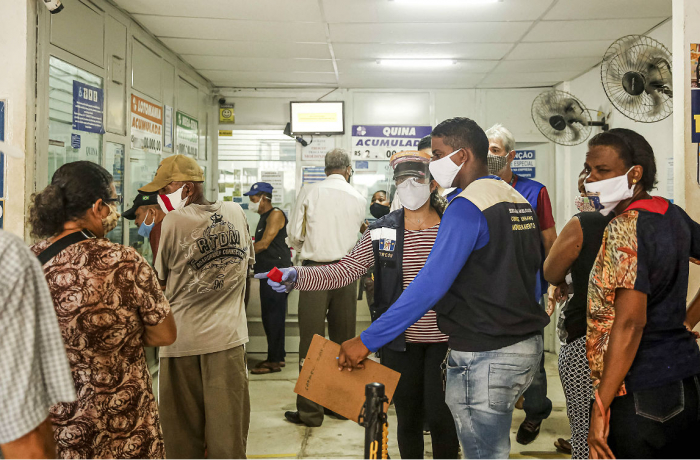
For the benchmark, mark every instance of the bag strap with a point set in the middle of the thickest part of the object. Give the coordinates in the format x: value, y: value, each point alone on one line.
x: 58, y: 246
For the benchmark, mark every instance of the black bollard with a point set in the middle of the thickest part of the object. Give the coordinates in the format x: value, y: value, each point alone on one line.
x: 374, y: 420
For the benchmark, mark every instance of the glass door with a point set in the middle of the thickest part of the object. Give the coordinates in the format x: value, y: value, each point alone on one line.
x: 114, y: 163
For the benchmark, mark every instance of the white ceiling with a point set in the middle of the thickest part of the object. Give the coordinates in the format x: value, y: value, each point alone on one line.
x: 336, y: 43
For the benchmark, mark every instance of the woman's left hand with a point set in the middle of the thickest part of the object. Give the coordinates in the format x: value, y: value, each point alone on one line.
x: 598, y: 435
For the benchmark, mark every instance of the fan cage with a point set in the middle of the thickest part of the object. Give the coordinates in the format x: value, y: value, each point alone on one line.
x: 544, y: 107
x: 634, y: 53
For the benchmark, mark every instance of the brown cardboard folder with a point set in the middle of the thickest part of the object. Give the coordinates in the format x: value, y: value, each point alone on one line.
x: 342, y: 392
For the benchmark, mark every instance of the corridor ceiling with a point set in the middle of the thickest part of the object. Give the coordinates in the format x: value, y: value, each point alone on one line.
x: 337, y: 43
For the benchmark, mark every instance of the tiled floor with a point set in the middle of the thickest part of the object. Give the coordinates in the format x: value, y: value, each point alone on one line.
x: 273, y: 437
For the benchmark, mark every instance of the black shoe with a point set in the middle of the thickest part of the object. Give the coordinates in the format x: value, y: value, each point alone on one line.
x: 293, y: 416
x: 330, y: 413
x: 528, y: 431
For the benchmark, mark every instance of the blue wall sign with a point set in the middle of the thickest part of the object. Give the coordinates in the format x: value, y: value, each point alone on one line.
x: 695, y: 114
x: 88, y: 108
x: 381, y: 142
x: 75, y: 141
x: 524, y: 164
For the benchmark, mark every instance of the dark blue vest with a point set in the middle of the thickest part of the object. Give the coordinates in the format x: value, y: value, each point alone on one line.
x: 388, y: 273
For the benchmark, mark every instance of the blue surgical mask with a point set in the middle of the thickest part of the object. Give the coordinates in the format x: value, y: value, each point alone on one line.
x: 145, y: 229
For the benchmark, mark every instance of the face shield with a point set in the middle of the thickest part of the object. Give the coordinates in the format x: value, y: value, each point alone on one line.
x: 412, y: 170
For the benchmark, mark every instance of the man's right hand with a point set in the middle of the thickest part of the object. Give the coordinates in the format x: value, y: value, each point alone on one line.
x: 289, y: 277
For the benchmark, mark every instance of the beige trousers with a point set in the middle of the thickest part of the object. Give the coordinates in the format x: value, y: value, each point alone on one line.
x: 204, y: 404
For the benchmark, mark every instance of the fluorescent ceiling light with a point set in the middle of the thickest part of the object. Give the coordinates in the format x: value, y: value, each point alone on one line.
x: 420, y: 63
x: 445, y: 2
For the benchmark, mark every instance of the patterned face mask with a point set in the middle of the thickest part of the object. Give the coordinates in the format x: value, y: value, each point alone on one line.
x: 110, y: 222
x: 587, y: 204
x: 496, y: 163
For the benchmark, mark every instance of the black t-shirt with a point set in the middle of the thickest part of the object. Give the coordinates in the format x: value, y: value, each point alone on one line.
x: 593, y: 226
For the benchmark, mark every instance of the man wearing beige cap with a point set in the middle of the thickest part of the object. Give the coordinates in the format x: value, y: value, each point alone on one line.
x: 203, y: 259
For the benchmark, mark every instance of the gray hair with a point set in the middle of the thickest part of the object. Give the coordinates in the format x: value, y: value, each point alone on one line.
x: 500, y: 132
x: 337, y: 159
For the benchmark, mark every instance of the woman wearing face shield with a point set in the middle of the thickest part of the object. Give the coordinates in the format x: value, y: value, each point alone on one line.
x: 644, y: 360
x: 397, y: 245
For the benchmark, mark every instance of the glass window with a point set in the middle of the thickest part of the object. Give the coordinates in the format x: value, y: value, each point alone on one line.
x: 370, y: 177
x: 61, y: 151
x: 143, y: 166
x: 246, y: 156
x: 114, y: 163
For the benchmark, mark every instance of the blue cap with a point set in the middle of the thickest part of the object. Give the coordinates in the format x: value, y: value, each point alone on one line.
x: 259, y: 187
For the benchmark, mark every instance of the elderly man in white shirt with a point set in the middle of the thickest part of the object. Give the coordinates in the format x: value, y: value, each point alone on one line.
x: 323, y: 228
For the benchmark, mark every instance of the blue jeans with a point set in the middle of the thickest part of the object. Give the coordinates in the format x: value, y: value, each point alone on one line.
x: 482, y: 388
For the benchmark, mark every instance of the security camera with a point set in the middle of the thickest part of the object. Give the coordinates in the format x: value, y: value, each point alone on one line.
x: 222, y: 101
x: 54, y: 6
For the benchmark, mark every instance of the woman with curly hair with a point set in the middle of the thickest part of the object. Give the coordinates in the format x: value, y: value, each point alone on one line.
x: 109, y: 306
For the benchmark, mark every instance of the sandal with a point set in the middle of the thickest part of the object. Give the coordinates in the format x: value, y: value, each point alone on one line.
x: 266, y: 367
x: 563, y: 445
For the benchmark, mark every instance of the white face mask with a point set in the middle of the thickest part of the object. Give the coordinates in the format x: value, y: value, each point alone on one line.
x: 609, y: 192
x: 172, y: 201
x: 413, y: 194
x: 253, y: 206
x: 445, y: 170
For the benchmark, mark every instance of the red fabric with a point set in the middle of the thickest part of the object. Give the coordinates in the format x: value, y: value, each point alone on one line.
x: 544, y: 210
x: 654, y: 204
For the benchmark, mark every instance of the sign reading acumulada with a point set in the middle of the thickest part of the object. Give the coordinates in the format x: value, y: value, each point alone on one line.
x: 146, y: 125
x: 187, y: 134
x: 381, y: 142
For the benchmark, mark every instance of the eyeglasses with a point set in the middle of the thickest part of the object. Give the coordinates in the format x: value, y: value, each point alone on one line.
x: 119, y: 199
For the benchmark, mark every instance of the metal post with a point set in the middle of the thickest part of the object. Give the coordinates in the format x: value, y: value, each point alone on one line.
x: 374, y: 419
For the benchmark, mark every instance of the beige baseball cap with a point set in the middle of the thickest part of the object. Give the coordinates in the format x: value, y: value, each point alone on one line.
x: 175, y: 168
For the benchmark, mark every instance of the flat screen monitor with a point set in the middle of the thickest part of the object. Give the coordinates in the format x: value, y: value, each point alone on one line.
x: 317, y: 117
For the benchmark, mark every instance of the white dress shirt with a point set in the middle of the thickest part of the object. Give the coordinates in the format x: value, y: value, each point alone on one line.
x: 326, y: 219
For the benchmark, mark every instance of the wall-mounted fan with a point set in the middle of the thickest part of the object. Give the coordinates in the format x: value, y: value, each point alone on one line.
x: 562, y: 118
x: 636, y: 76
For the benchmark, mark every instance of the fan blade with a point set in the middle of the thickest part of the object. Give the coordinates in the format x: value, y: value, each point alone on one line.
x: 657, y: 103
x: 576, y: 132
x: 625, y: 54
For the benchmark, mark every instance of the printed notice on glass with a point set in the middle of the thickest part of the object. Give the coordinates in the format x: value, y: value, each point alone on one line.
x: 168, y: 129
x: 88, y: 103
x: 146, y: 125
x: 276, y: 179
x: 187, y: 134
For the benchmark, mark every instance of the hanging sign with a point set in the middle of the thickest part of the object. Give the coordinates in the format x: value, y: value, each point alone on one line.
x: 168, y: 129
x: 381, y: 142
x: 146, y: 125
x: 75, y: 141
x: 276, y: 179
x: 524, y: 164
x: 226, y: 114
x: 88, y: 103
x: 187, y: 137
x: 316, y: 150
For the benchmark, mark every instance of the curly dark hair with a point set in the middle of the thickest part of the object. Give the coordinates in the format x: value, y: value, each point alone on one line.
x: 74, y: 188
x: 633, y: 150
x: 462, y: 132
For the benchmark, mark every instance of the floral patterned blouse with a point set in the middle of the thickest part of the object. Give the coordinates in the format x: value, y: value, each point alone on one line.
x: 104, y: 294
x: 646, y: 249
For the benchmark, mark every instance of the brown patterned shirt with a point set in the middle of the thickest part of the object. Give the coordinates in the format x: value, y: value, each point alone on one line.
x: 104, y: 294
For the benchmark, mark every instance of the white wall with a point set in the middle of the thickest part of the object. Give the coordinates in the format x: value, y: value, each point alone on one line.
x: 589, y: 89
x: 16, y: 48
x: 270, y: 109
